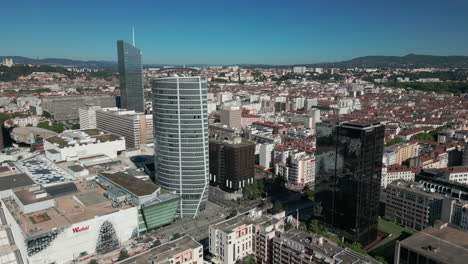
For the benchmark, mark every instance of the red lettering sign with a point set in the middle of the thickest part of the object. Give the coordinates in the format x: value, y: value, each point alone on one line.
x: 79, y: 229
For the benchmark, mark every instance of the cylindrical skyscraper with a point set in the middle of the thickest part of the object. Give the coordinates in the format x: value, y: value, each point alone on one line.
x: 181, y: 140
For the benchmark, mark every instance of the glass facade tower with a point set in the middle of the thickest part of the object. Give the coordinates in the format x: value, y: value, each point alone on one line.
x: 349, y: 167
x: 131, y: 77
x: 181, y: 140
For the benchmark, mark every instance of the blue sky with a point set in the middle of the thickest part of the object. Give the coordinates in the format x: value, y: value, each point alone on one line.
x: 234, y: 32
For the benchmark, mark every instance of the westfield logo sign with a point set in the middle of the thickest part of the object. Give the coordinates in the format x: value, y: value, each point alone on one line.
x: 79, y: 229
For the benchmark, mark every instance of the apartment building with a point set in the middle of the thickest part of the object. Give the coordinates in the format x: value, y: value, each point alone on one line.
x: 231, y: 116
x: 298, y: 169
x: 397, y: 172
x: 403, y: 151
x: 87, y: 116
x: 248, y: 234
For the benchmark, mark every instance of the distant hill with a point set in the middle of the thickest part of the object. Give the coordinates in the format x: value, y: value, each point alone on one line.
x: 408, y: 61
x: 61, y: 62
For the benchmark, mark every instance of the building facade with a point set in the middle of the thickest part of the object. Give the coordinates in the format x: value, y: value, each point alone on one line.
x: 65, y: 108
x: 131, y: 77
x: 181, y: 140
x: 87, y: 116
x: 232, y: 163
x: 231, y: 116
x: 136, y: 127
x: 348, y: 178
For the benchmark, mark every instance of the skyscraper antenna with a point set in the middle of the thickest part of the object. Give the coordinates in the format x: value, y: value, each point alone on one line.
x: 133, y: 36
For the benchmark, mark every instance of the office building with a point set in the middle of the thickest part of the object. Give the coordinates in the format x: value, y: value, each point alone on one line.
x: 412, y: 205
x: 87, y: 116
x: 136, y: 127
x: 181, y: 140
x: 131, y: 77
x: 348, y: 178
x: 441, y: 244
x: 66, y: 108
x: 231, y: 116
x: 232, y: 163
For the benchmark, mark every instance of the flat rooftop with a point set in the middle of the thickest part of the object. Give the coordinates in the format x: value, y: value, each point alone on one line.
x: 14, y: 181
x: 81, y: 137
x: 447, y: 244
x: 87, y: 202
x: 163, y: 253
x: 131, y: 184
x: 227, y: 226
x: 43, y: 171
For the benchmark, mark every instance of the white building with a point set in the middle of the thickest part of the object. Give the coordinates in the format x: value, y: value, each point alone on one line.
x: 67, y: 228
x: 456, y: 174
x: 236, y: 238
x: 396, y: 172
x: 8, y: 62
x: 76, y: 144
x: 87, y: 116
x: 297, y: 168
x: 299, y: 69
x: 266, y: 151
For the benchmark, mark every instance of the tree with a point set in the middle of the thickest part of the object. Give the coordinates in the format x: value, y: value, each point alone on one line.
x: 232, y: 214
x: 176, y: 236
x: 93, y: 261
x: 394, y: 141
x: 288, y: 226
x: 123, y: 255
x: 46, y: 114
x: 247, y: 260
x: 423, y: 136
x: 277, y: 207
x: 155, y: 243
x: 381, y: 259
x: 75, y: 126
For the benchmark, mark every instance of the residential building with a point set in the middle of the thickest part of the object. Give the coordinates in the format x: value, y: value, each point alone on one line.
x: 181, y: 140
x: 232, y: 163
x: 403, y: 151
x: 87, y: 116
x: 348, y: 178
x: 266, y: 153
x: 397, y: 172
x: 298, y: 170
x: 131, y: 77
x: 247, y: 234
x: 231, y: 116
x: 456, y: 174
x: 441, y: 244
x: 136, y: 127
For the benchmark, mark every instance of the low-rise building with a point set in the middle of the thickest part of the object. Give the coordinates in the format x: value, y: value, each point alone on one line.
x: 397, y: 172
x: 184, y: 250
x: 296, y: 246
x: 441, y: 244
x: 76, y: 144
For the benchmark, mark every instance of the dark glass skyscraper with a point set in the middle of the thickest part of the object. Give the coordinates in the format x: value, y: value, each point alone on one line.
x: 181, y: 140
x: 349, y: 167
x: 131, y: 77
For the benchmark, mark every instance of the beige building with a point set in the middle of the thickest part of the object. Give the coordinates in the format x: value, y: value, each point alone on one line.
x: 248, y: 234
x: 231, y: 116
x: 137, y: 128
x: 403, y: 151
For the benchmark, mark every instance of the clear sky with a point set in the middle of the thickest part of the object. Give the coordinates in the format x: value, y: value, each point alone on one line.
x: 234, y: 32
